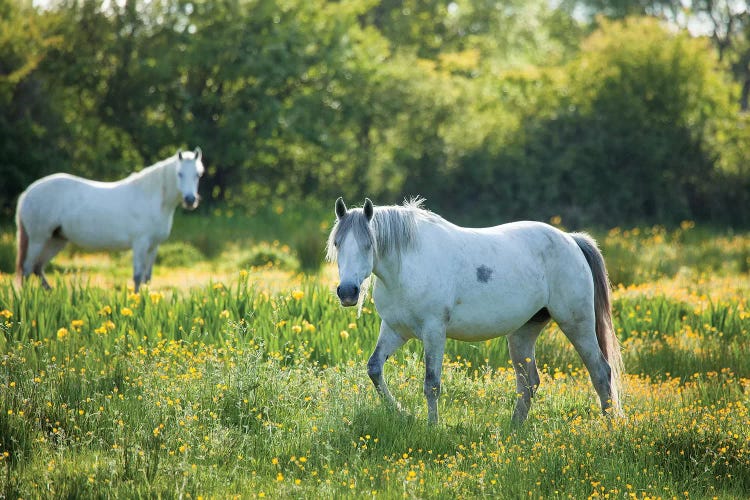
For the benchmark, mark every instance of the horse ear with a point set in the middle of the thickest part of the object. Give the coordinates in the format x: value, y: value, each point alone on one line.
x: 340, y: 208
x: 179, y: 155
x: 368, y: 209
x: 198, y: 153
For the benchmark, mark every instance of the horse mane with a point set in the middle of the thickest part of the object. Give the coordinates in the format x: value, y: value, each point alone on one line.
x: 153, y: 175
x: 393, y: 229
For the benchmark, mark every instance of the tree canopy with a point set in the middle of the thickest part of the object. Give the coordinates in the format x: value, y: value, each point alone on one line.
x: 493, y: 110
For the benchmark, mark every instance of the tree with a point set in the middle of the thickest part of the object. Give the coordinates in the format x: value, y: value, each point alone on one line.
x: 28, y: 116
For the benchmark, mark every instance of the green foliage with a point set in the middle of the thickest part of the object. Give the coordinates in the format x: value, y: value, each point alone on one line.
x: 492, y: 110
x: 640, y: 255
x: 28, y: 115
x: 621, y: 132
x: 178, y: 254
x: 309, y: 246
x: 7, y: 252
x: 269, y: 255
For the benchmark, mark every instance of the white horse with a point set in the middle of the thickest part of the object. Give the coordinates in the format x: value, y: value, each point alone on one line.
x: 438, y: 280
x: 135, y: 212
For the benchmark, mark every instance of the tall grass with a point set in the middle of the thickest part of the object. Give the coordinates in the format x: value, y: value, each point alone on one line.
x: 228, y: 389
x: 254, y: 384
x: 639, y: 255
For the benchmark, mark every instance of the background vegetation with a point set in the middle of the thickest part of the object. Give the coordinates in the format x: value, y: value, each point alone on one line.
x: 236, y: 373
x: 603, y: 112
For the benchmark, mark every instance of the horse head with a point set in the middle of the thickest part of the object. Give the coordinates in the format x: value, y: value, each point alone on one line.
x: 352, y: 245
x: 189, y: 171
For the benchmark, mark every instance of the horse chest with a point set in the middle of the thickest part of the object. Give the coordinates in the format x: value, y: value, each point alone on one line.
x: 407, y: 314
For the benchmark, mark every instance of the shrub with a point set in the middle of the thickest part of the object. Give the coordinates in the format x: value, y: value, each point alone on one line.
x: 309, y: 245
x: 265, y: 254
x: 178, y: 254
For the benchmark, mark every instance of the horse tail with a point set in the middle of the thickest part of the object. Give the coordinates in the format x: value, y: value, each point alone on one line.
x: 22, y: 241
x: 605, y: 332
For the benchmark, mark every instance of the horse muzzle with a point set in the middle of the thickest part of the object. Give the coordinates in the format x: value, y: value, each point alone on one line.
x: 190, y: 202
x: 348, y: 294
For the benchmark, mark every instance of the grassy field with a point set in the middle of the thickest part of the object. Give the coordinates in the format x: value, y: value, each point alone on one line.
x: 236, y: 375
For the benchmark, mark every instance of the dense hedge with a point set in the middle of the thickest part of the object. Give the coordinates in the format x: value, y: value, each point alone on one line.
x: 492, y: 110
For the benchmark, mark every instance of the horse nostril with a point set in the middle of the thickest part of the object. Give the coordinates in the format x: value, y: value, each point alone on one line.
x: 338, y: 291
x: 356, y: 290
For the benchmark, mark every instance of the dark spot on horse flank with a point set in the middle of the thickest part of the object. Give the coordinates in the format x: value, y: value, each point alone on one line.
x: 541, y: 316
x: 484, y: 274
x: 57, y: 233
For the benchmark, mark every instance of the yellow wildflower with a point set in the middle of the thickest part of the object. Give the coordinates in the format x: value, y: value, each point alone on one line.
x: 298, y: 294
x: 62, y: 333
x: 126, y: 311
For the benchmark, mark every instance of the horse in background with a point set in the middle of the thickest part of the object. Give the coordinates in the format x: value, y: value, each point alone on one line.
x: 135, y: 212
x: 436, y: 280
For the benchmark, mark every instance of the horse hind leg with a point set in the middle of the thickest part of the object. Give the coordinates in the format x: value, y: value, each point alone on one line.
x: 521, y: 349
x: 32, y: 262
x: 582, y: 334
x: 51, y: 247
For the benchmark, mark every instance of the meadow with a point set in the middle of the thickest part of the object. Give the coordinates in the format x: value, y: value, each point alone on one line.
x: 236, y: 373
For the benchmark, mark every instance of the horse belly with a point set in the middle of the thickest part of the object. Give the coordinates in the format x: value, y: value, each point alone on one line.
x: 97, y: 237
x: 497, y: 308
x: 477, y: 325
x: 99, y: 227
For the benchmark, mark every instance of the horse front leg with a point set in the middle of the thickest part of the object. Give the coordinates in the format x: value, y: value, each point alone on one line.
x: 150, y: 259
x: 388, y: 342
x: 140, y: 257
x: 434, y: 348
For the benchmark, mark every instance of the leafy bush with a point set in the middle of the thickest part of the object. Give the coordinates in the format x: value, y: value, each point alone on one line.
x: 309, y: 245
x: 270, y: 255
x: 178, y: 254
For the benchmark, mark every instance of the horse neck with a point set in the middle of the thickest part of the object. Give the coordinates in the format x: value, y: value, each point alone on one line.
x: 386, y: 269
x: 395, y: 237
x: 159, y: 181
